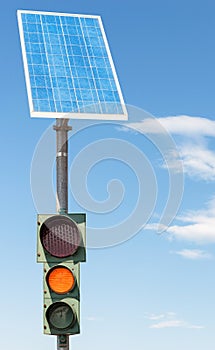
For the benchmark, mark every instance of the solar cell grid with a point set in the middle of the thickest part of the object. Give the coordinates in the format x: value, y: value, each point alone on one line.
x: 68, y: 65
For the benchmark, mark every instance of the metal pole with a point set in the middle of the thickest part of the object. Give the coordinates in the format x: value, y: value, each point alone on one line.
x: 62, y: 342
x: 62, y: 129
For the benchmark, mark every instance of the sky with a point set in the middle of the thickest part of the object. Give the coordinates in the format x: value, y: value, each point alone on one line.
x: 146, y: 184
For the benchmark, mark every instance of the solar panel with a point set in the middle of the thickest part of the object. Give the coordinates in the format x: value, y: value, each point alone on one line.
x: 68, y: 67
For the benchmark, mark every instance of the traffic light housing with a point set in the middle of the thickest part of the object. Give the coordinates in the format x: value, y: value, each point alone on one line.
x: 61, y: 238
x: 61, y: 298
x: 61, y: 241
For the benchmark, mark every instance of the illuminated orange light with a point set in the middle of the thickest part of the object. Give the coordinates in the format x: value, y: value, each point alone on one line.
x: 61, y: 280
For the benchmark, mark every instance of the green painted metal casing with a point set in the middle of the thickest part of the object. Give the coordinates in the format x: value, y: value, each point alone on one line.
x: 74, y: 268
x: 80, y: 256
x: 72, y: 299
x: 74, y: 328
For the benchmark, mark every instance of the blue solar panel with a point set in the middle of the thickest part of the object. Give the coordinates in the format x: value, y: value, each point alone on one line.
x: 68, y: 66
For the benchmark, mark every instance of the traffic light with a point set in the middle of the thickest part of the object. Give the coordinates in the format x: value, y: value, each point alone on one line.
x: 61, y: 237
x: 61, y: 298
x: 60, y: 247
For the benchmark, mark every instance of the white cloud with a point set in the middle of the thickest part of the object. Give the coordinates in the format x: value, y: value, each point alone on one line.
x: 194, y: 226
x: 201, y: 233
x: 170, y: 320
x: 193, y: 254
x: 93, y: 318
x: 169, y: 324
x: 186, y: 125
x: 180, y: 125
x: 150, y: 126
x: 175, y: 324
x: 196, y: 327
x: 198, y: 161
x: 155, y: 317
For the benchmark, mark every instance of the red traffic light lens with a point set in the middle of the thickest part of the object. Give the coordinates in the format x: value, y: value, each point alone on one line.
x: 60, y: 279
x: 60, y: 236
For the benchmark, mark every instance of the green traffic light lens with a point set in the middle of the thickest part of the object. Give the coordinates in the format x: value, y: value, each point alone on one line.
x: 60, y: 316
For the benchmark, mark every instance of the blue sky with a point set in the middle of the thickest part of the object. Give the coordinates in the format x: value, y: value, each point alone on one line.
x: 138, y: 289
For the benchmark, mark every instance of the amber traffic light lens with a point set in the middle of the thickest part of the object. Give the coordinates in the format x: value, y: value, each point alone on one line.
x: 60, y: 236
x: 61, y: 280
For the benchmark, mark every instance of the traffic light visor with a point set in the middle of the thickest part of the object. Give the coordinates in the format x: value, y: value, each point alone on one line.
x: 60, y: 236
x: 60, y: 280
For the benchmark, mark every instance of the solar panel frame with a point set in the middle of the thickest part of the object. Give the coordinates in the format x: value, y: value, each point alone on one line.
x: 113, y: 106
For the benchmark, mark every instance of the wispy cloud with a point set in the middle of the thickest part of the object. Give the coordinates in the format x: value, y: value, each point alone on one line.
x: 200, y: 233
x: 198, y: 161
x: 93, y: 318
x: 154, y: 317
x: 196, y: 226
x: 193, y: 254
x: 175, y: 324
x: 169, y: 320
x: 192, y: 149
x: 169, y: 324
x: 179, y: 125
x: 185, y: 125
x: 193, y: 226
